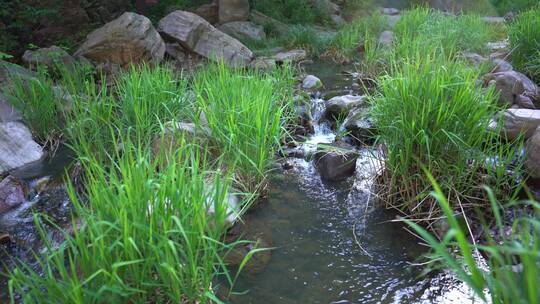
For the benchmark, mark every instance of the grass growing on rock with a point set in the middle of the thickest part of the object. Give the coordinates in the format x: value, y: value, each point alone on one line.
x: 40, y: 104
x: 152, y: 223
x: 524, y: 36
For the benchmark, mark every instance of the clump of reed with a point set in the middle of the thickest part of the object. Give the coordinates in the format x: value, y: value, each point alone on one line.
x: 524, y: 36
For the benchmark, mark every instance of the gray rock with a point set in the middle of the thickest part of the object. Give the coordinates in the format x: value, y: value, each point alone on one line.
x: 198, y: 36
x: 501, y: 65
x: 340, y: 106
x: 473, y: 58
x: 386, y: 39
x: 130, y: 38
x: 210, y: 12
x: 337, y: 20
x: 176, y: 51
x: 389, y: 11
x: 17, y: 148
x: 311, y: 82
x: 7, y: 111
x: 263, y: 63
x: 335, y: 162
x: 8, y: 71
x: 12, y: 193
x: 274, y: 25
x: 49, y: 57
x: 291, y: 56
x: 519, y: 121
x: 243, y: 30
x: 511, y: 84
x: 524, y: 102
x: 360, y: 125
x: 494, y: 20
x: 393, y: 20
x: 532, y: 154
x: 233, y: 10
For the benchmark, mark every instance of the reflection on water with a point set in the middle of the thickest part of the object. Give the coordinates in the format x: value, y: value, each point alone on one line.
x: 317, y: 257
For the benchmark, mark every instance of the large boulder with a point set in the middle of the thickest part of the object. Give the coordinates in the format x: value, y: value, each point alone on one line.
x: 512, y: 84
x: 519, y: 121
x: 7, y: 111
x: 233, y: 10
x: 339, y: 106
x: 12, y: 193
x: 17, y: 148
x: 210, y: 12
x: 243, y: 30
x: 49, y: 57
x: 532, y: 154
x: 197, y: 35
x: 335, y: 162
x: 130, y: 38
x: 8, y: 71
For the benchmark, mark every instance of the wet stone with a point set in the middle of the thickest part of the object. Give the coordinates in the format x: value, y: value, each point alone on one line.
x: 335, y: 162
x: 12, y: 193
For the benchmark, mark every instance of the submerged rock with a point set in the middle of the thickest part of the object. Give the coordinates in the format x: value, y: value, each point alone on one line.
x: 243, y: 30
x: 12, y: 193
x: 311, y: 82
x: 198, y: 36
x: 335, y: 162
x: 532, y: 154
x: 233, y: 10
x: 17, y: 148
x: 130, y: 38
x: 339, y: 106
x: 49, y: 57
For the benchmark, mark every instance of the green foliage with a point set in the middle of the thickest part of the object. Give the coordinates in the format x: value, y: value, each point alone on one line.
x: 516, y: 6
x: 307, y: 38
x: 246, y: 113
x: 424, y: 30
x: 524, y: 35
x: 40, y: 104
x: 154, y: 221
x: 430, y: 113
x: 345, y: 44
x: 512, y: 259
x: 293, y: 11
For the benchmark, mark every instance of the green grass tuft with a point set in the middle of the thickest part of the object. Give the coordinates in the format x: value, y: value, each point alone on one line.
x: 524, y: 35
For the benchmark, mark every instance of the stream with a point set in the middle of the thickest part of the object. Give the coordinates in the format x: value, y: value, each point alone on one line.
x: 330, y: 243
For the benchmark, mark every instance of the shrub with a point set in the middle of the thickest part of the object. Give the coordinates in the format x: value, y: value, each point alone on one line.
x: 524, y: 35
x: 516, y: 6
x: 430, y: 113
x: 307, y: 38
x: 246, y: 112
x: 293, y: 11
x: 345, y: 44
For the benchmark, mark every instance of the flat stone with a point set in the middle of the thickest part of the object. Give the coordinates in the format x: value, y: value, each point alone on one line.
x: 243, y: 30
x: 291, y: 56
x: 17, y: 148
x: 519, y: 121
